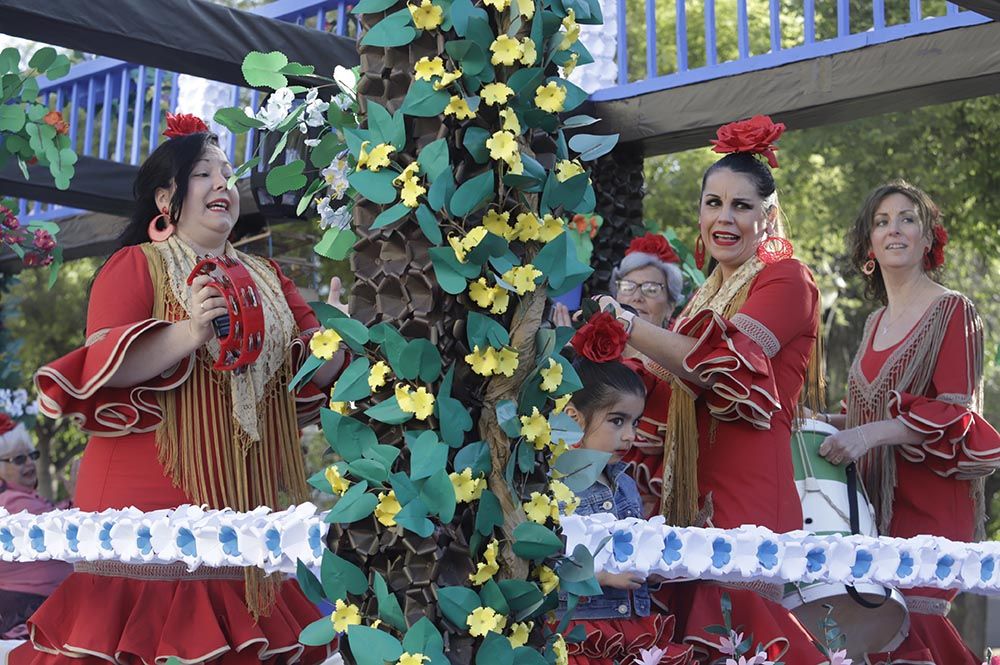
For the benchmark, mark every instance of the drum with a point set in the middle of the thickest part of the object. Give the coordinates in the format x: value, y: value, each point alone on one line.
x: 823, y: 492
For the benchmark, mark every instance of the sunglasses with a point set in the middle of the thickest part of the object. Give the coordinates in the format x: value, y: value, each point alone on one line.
x: 19, y: 460
x: 649, y: 289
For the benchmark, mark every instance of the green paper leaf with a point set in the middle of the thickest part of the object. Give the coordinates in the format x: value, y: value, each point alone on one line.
x: 457, y: 603
x: 423, y: 101
x: 592, y: 146
x: 427, y: 456
x: 356, y: 504
x: 565, y: 429
x: 310, y: 586
x: 420, y: 360
x: 453, y: 416
x: 388, y: 412
x: 438, y: 494
x: 533, y: 178
x: 389, y: 609
x: 286, y: 178
x: 352, y: 384
x: 10, y: 60
x: 433, y: 158
x: 262, y: 70
x: 373, y: 6
x: 495, y: 650
x: 508, y: 419
x: 441, y: 190
x: 371, y: 646
x: 571, y: 380
x: 42, y: 58
x: 579, y: 121
x: 474, y: 456
x: 329, y: 147
x: 405, y: 489
x: 528, y: 656
x: 353, y: 332
x: 447, y: 270
x: 534, y: 541
x: 483, y: 331
x: 524, y: 82
x: 489, y: 515
x: 12, y: 118
x: 305, y: 373
x: 474, y: 141
x: 579, y: 567
x: 348, y: 437
x: 470, y: 55
x: 376, y: 186
x: 298, y: 69
x: 237, y: 121
x: 478, y: 30
x: 369, y: 469
x: 319, y: 633
x: 429, y: 224
x: 523, y: 597
x: 525, y: 455
x: 341, y: 577
x: 396, y: 29
x: 559, y: 262
x: 492, y: 596
x: 386, y: 127
x: 355, y: 137
x: 461, y: 12
x: 473, y: 194
x: 391, y: 215
x: 581, y: 467
x: 336, y: 244
x: 424, y: 637
x: 413, y: 517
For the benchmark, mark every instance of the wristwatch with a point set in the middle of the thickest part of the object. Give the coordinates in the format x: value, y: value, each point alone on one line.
x: 627, y: 319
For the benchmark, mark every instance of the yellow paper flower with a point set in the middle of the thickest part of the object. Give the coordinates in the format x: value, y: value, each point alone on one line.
x: 552, y: 226
x: 447, y: 79
x: 467, y: 488
x: 423, y: 403
x: 377, y: 375
x: 484, y: 362
x: 572, y: 30
x: 567, y: 169
x: 411, y: 190
x: 325, y: 344
x: 427, y: 68
x: 539, y: 508
x: 343, y: 408
x: 552, y: 376
x: 561, y: 403
x: 375, y: 160
x: 509, y: 121
x: 547, y: 578
x: 483, y: 620
x: 506, y: 50
x: 501, y: 300
x: 344, y: 615
x: 489, y: 567
x: 570, y: 65
x: 404, y: 397
x: 550, y: 97
x: 526, y: 8
x: 338, y: 483
x: 495, y: 93
x: 522, y: 278
x: 427, y: 16
x: 481, y: 293
x: 497, y: 222
x: 516, y: 166
x: 387, y: 509
x: 507, y: 361
x: 527, y: 227
x: 499, y: 5
x: 556, y: 449
x: 519, y: 633
x: 535, y: 428
x: 458, y: 246
x: 565, y: 496
x: 473, y: 237
x: 412, y: 658
x: 529, y: 53
x: 459, y: 108
x: 502, y: 145
x: 559, y: 646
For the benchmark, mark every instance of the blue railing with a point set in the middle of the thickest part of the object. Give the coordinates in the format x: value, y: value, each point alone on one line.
x: 663, y: 44
x: 117, y: 110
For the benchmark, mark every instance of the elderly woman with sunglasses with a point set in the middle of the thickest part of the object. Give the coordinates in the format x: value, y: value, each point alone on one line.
x: 23, y: 586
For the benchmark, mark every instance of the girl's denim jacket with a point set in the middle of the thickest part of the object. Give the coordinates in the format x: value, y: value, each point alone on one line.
x: 622, y: 499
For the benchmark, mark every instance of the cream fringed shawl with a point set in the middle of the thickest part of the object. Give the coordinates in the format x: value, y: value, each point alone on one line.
x: 227, y: 440
x: 910, y: 369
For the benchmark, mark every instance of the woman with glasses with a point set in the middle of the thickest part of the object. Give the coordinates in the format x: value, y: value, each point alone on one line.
x: 23, y: 586
x: 737, y: 360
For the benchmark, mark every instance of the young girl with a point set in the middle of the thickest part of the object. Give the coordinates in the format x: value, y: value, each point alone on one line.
x: 618, y: 623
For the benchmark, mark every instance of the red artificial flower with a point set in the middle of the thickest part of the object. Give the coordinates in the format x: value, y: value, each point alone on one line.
x: 8, y: 220
x: 601, y: 339
x: 43, y: 240
x: 183, y: 124
x: 55, y: 119
x: 756, y: 135
x: 655, y: 244
x: 6, y: 423
x: 935, y: 258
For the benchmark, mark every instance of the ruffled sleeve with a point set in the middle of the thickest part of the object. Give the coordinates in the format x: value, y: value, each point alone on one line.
x: 310, y: 397
x: 119, y: 313
x: 734, y: 357
x: 958, y: 440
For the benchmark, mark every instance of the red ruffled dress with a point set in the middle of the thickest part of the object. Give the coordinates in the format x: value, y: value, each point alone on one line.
x: 937, y: 481
x: 139, y: 616
x: 756, y: 362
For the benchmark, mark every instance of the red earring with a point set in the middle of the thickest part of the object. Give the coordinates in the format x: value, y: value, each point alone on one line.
x: 699, y: 252
x: 869, y: 267
x: 160, y: 227
x: 774, y: 249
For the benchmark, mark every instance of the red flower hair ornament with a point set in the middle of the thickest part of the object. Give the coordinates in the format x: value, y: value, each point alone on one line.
x: 935, y: 257
x: 656, y: 245
x: 755, y: 136
x: 601, y: 339
x: 183, y: 124
x: 6, y: 423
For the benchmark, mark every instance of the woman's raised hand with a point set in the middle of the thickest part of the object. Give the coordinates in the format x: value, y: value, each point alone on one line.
x: 336, y: 291
x: 206, y: 304
x: 561, y: 316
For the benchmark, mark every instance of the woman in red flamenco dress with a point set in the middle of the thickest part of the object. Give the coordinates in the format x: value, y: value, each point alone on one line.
x: 167, y: 429
x: 739, y: 355
x: 913, y: 404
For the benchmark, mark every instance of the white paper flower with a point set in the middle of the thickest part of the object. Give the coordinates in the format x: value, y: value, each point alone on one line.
x: 276, y: 110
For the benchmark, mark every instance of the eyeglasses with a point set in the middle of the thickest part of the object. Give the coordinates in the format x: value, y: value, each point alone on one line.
x: 649, y: 289
x: 19, y: 460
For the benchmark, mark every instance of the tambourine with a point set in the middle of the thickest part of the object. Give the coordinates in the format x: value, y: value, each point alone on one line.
x: 241, y: 331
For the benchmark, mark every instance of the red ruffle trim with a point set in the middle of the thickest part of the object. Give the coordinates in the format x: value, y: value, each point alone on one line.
x: 736, y: 368
x: 958, y: 440
x: 646, y: 468
x: 74, y: 385
x: 619, y: 641
x: 771, y: 625
x: 128, y: 621
x: 933, y: 640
